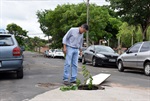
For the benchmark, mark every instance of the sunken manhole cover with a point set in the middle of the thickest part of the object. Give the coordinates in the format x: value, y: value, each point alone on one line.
x: 47, y: 85
x: 94, y: 87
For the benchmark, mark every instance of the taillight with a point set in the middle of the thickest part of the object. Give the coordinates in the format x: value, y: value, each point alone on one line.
x: 16, y: 51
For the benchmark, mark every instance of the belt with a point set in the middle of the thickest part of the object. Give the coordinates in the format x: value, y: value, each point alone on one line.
x: 74, y: 47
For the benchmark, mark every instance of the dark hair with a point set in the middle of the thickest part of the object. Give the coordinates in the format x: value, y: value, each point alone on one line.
x: 85, y: 26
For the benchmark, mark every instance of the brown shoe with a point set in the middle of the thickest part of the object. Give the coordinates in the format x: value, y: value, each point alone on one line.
x: 66, y: 83
x: 74, y: 82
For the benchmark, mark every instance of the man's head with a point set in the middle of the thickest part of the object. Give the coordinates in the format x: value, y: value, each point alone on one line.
x: 84, y: 28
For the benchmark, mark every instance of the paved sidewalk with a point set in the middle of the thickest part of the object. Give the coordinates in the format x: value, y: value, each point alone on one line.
x: 113, y: 93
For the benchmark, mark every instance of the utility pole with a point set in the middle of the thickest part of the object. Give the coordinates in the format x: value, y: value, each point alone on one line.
x: 87, y: 33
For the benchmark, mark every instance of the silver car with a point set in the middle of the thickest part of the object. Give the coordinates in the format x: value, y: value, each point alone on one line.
x: 136, y: 57
x: 11, y: 58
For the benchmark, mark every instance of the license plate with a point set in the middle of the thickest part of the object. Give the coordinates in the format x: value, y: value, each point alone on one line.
x: 0, y: 64
x: 112, y: 60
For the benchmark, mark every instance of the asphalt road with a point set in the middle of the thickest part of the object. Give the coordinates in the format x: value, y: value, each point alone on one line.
x: 42, y: 74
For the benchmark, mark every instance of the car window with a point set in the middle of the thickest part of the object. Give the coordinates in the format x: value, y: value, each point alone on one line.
x: 135, y: 48
x: 90, y: 48
x: 59, y: 50
x: 83, y: 48
x: 104, y: 49
x: 145, y: 47
x: 6, y: 41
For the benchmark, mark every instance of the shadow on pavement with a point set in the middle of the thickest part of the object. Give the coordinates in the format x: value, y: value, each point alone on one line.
x: 7, y: 75
x: 134, y: 71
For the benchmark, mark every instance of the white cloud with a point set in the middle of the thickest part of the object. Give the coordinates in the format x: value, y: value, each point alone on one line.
x: 23, y: 12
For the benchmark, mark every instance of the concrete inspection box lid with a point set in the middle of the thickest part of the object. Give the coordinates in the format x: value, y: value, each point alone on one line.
x: 99, y: 78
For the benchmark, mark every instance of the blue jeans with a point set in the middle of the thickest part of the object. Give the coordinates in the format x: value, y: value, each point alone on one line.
x: 71, y: 64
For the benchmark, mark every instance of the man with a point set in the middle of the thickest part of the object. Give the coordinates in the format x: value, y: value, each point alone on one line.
x: 72, y: 43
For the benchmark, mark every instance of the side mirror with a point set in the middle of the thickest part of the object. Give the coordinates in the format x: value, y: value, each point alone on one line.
x: 128, y: 51
x: 22, y: 48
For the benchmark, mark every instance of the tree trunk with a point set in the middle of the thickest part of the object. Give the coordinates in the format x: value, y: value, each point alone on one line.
x: 144, y: 30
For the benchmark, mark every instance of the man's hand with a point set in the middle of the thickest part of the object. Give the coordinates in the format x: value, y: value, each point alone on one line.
x: 80, y: 53
x: 64, y: 49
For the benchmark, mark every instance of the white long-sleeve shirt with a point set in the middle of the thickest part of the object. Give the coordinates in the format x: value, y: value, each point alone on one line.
x: 73, y: 38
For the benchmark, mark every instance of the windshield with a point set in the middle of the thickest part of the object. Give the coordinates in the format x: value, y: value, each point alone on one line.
x: 58, y: 50
x: 104, y: 49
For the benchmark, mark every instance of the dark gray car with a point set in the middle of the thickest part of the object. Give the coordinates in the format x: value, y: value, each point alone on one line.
x: 100, y: 55
x: 11, y: 58
x: 136, y: 57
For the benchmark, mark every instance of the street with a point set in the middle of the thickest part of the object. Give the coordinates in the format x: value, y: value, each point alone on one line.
x: 42, y: 74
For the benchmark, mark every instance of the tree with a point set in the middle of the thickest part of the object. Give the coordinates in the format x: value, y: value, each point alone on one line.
x: 135, y: 12
x: 37, y: 43
x: 58, y: 21
x: 128, y: 35
x: 19, y: 33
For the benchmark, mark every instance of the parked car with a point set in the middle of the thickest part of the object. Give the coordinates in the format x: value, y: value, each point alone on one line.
x: 2, y: 31
x: 136, y: 57
x: 11, y: 58
x: 58, y: 53
x: 80, y: 56
x: 100, y: 55
x: 48, y: 53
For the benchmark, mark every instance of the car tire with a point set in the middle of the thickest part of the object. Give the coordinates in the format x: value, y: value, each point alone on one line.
x: 20, y: 74
x: 120, y: 66
x: 94, y: 62
x: 83, y: 60
x: 147, y: 69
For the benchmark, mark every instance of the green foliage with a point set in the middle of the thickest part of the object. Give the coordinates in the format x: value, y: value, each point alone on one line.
x: 34, y: 43
x: 57, y: 22
x: 78, y: 82
x: 87, y: 75
x: 67, y: 88
x: 129, y: 35
x: 19, y: 33
x: 148, y: 33
x: 90, y: 85
x: 134, y: 12
x: 71, y: 87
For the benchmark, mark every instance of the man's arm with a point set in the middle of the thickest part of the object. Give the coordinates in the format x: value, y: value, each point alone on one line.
x: 65, y: 38
x: 64, y: 49
x: 80, y: 48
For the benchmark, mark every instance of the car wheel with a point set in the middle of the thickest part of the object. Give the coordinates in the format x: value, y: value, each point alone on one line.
x: 120, y: 66
x: 83, y: 60
x: 94, y: 62
x: 147, y: 69
x: 20, y: 73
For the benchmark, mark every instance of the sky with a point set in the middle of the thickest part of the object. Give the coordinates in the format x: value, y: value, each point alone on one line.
x: 23, y: 12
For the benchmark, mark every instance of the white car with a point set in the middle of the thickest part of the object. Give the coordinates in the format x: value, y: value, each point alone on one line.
x: 58, y: 53
x: 50, y: 53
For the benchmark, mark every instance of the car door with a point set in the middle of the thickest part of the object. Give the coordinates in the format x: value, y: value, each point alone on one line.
x: 91, y: 53
x: 88, y: 53
x: 85, y: 54
x: 130, y: 57
x: 143, y: 54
